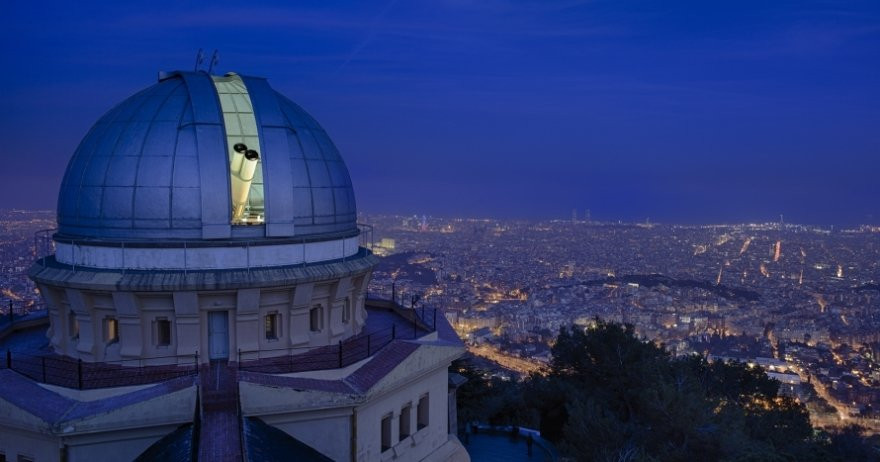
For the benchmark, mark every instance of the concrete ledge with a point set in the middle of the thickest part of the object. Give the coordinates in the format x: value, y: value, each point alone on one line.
x: 57, y: 274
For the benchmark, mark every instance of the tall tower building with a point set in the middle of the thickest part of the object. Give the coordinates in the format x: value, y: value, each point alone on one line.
x: 207, y: 295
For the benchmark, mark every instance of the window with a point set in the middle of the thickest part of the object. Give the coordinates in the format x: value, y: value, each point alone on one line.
x: 163, y: 332
x: 272, y: 325
x: 316, y: 318
x: 386, y: 433
x: 73, y: 325
x: 346, y: 310
x: 404, y: 420
x: 111, y: 330
x: 422, y: 412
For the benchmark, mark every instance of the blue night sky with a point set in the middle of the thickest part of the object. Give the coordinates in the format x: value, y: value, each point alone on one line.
x: 700, y: 111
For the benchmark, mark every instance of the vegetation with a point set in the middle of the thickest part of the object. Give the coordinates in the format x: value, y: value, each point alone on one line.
x: 610, y: 396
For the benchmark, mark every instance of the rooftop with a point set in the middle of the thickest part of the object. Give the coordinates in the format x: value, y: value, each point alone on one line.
x: 159, y: 166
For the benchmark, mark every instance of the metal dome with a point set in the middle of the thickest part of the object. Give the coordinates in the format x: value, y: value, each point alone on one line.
x: 156, y: 167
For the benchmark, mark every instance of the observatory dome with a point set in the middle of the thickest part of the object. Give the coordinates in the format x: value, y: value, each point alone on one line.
x: 203, y: 157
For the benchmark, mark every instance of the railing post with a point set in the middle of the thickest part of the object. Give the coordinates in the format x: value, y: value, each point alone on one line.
x: 415, y: 324
x: 368, y: 344
x: 79, y: 373
x: 43, y: 367
x: 435, y: 319
x: 196, y: 362
x: 340, y: 354
x: 8, y: 359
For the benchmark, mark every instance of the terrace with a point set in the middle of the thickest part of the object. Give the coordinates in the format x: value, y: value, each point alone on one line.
x: 26, y: 351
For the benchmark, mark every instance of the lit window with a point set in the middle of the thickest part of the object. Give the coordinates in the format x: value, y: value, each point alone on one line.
x: 163, y: 332
x: 422, y: 412
x: 242, y: 139
x: 73, y: 325
x: 404, y: 420
x: 111, y: 330
x: 386, y: 433
x: 346, y: 310
x: 316, y: 319
x: 272, y: 324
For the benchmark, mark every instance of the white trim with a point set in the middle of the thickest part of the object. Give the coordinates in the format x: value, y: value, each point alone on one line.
x: 203, y: 258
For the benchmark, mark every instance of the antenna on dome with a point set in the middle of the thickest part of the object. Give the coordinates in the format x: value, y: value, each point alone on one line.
x: 215, y: 58
x: 200, y: 58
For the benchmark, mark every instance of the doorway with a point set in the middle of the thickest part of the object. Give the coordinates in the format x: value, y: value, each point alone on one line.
x: 218, y: 334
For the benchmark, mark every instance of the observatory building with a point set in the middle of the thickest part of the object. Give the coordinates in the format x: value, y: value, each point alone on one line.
x: 207, y: 299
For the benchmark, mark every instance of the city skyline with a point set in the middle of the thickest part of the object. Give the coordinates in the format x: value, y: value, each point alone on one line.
x: 693, y: 113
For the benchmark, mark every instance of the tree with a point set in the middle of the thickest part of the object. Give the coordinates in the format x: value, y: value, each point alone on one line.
x: 610, y: 396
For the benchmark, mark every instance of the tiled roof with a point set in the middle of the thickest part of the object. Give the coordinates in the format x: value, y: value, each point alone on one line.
x: 265, y: 443
x: 54, y: 408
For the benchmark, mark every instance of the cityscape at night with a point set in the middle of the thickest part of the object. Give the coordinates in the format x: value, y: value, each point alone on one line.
x: 443, y: 231
x: 801, y: 301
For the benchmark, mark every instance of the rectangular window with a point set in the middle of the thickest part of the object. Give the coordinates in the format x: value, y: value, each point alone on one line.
x: 272, y: 324
x: 163, y: 332
x: 386, y: 433
x: 73, y: 325
x: 422, y: 412
x: 111, y: 330
x: 404, y: 420
x: 346, y: 310
x: 316, y: 318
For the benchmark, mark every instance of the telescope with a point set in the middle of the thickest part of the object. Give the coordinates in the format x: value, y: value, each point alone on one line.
x: 242, y: 168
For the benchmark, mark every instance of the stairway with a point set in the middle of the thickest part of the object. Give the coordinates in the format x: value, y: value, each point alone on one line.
x: 220, y: 433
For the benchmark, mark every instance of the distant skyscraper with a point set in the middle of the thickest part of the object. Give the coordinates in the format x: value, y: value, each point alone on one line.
x: 574, y: 215
x: 587, y: 215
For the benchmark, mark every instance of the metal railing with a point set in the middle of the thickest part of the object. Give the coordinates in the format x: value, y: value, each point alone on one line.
x: 302, y: 359
x: 16, y: 311
x: 75, y: 373
x: 68, y: 372
x: 44, y: 245
x: 408, y: 302
x: 365, y: 236
x: 344, y: 353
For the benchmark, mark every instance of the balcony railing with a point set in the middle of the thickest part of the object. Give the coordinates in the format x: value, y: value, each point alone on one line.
x: 49, y: 368
x: 344, y: 353
x: 75, y: 373
x: 413, y: 324
x: 16, y: 311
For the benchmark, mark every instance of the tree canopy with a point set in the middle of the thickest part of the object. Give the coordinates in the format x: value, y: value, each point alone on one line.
x: 610, y: 396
